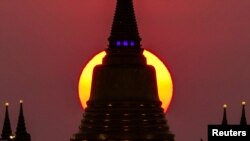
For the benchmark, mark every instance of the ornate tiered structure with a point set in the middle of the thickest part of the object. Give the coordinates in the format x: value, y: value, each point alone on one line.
x: 6, y: 132
x: 21, y: 133
x: 243, y: 119
x: 124, y: 102
x: 224, y: 119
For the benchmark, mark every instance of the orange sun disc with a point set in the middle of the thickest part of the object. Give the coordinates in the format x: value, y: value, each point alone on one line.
x: 164, y: 81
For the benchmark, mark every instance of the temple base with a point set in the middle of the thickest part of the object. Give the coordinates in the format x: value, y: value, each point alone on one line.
x: 120, y: 121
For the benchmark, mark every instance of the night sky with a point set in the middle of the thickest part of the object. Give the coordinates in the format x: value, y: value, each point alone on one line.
x: 45, y: 44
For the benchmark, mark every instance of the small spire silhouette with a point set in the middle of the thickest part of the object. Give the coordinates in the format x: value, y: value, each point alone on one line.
x: 124, y: 32
x: 21, y: 133
x: 224, y: 120
x: 243, y: 120
x: 6, y: 132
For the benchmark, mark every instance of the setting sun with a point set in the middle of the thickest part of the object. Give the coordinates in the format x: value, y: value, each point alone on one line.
x: 164, y: 81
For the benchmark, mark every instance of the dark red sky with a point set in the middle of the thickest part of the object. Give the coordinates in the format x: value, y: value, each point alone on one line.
x: 44, y: 45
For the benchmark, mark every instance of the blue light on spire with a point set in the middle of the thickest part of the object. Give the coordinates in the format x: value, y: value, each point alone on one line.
x: 118, y: 43
x: 132, y: 43
x: 125, y: 43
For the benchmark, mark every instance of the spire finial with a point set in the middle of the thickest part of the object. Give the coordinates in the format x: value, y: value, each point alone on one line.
x: 21, y: 133
x: 225, y: 106
x: 124, y: 31
x: 6, y: 132
x: 7, y: 104
x: 224, y: 120
x: 243, y: 120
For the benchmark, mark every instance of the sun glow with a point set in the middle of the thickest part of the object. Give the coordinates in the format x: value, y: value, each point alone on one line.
x: 164, y: 81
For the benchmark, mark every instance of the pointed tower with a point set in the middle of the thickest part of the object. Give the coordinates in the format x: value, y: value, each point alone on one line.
x: 124, y: 102
x: 21, y: 133
x: 224, y: 120
x: 243, y: 119
x: 124, y: 32
x: 6, y: 132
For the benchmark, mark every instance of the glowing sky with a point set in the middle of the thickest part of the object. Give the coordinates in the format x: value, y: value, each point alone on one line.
x: 44, y: 45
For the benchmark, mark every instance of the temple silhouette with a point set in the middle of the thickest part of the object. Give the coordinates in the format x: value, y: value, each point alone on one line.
x: 21, y: 134
x: 243, y: 119
x: 224, y: 121
x: 124, y: 103
x: 226, y: 131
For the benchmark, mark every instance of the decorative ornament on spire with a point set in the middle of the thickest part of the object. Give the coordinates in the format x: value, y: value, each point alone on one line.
x: 21, y: 133
x: 224, y: 120
x: 124, y: 32
x: 243, y: 120
x: 7, y: 104
x: 6, y: 132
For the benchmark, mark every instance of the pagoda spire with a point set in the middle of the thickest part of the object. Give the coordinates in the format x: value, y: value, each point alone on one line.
x: 224, y: 120
x: 6, y: 132
x: 124, y: 32
x: 243, y: 120
x: 21, y: 133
